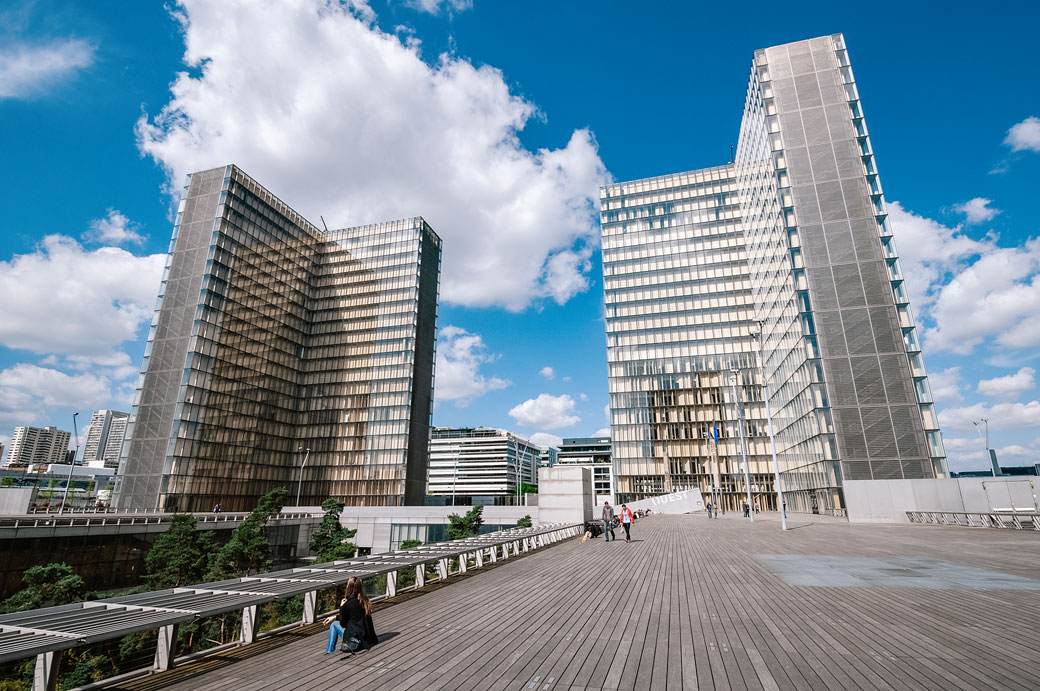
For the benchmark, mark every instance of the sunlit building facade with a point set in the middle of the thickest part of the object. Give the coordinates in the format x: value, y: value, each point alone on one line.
x: 105, y: 437
x: 592, y: 453
x: 283, y: 355
x: 807, y: 270
x: 481, y: 465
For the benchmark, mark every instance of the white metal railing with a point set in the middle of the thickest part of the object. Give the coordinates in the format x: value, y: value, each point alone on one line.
x: 46, y: 633
x: 89, y: 518
x: 1018, y: 521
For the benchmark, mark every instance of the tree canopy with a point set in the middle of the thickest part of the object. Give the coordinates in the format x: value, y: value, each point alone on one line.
x: 249, y: 550
x: 49, y: 585
x: 468, y: 525
x: 181, y: 555
x: 331, y: 541
x: 524, y: 522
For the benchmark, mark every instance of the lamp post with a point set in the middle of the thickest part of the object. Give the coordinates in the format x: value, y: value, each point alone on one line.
x: 454, y: 473
x: 743, y: 447
x: 72, y: 465
x: 989, y: 456
x: 757, y: 335
x: 299, y: 485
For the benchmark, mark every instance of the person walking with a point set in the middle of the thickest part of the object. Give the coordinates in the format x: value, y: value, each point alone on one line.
x: 708, y: 507
x: 608, y: 521
x: 626, y: 522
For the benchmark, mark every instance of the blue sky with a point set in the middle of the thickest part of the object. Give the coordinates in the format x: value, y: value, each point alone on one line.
x: 496, y: 121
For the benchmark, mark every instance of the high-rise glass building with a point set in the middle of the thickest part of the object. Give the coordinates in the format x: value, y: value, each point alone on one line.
x: 786, y: 253
x: 283, y: 355
x: 38, y: 445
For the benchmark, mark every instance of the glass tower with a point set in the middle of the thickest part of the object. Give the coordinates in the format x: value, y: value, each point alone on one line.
x: 823, y: 299
x: 282, y: 355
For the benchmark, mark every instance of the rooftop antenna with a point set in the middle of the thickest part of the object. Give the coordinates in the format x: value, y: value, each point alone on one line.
x: 323, y: 223
x: 731, y: 157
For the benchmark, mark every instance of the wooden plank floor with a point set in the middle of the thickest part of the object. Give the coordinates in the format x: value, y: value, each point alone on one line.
x: 684, y: 606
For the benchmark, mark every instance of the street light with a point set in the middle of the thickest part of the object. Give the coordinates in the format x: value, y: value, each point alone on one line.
x: 303, y: 465
x: 72, y: 465
x: 757, y: 336
x: 989, y: 454
x: 743, y: 448
x: 454, y: 473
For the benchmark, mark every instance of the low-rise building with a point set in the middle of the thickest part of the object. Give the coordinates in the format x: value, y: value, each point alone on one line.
x: 480, y: 466
x: 592, y: 453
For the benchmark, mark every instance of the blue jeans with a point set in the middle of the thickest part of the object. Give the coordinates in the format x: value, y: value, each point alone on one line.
x: 608, y: 532
x: 335, y: 631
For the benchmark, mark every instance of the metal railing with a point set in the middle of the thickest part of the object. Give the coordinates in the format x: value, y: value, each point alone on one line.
x: 46, y: 633
x: 1022, y: 521
x: 43, y: 520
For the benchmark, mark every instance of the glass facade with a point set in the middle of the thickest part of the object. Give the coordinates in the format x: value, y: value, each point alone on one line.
x: 592, y: 453
x: 807, y: 264
x: 480, y: 462
x: 280, y: 351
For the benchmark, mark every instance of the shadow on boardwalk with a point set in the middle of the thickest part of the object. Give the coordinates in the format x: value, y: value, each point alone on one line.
x: 686, y: 605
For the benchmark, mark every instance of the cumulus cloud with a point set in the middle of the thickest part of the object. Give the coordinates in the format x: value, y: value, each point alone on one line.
x: 602, y: 432
x: 1000, y: 415
x: 341, y: 119
x: 547, y: 372
x: 977, y: 210
x: 114, y: 228
x: 1009, y: 387
x: 434, y: 6
x: 997, y: 298
x: 929, y: 253
x: 29, y: 70
x: 945, y: 385
x: 64, y: 300
x: 546, y: 440
x: 27, y: 392
x: 460, y: 355
x: 1025, y: 135
x: 546, y: 411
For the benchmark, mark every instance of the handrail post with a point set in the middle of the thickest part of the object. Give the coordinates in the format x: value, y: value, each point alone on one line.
x: 166, y: 648
x: 250, y: 623
x: 479, y: 555
x: 442, y: 568
x: 391, y: 584
x: 463, y: 566
x: 310, y: 606
x: 45, y: 676
x: 420, y: 575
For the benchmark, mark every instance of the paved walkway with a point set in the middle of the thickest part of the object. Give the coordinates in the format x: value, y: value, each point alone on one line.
x: 694, y: 603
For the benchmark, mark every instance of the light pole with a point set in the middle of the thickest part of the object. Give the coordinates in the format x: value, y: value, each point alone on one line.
x: 743, y: 448
x: 757, y: 335
x: 303, y: 465
x: 72, y: 465
x: 989, y: 454
x: 454, y: 474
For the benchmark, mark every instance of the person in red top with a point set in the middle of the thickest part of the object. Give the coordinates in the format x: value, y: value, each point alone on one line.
x: 626, y: 522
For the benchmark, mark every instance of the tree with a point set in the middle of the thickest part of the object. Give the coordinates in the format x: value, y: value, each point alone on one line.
x: 249, y: 550
x: 331, y: 541
x: 45, y: 586
x: 468, y: 525
x: 524, y: 522
x: 181, y: 555
x: 528, y: 489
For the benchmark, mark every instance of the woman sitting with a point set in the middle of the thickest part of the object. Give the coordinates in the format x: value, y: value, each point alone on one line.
x: 354, y: 619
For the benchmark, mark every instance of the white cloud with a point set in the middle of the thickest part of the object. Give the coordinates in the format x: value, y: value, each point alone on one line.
x: 1024, y: 135
x: 546, y: 411
x: 434, y: 6
x: 547, y: 372
x: 977, y: 210
x: 945, y: 385
x: 583, y: 396
x: 409, y: 138
x: 602, y: 432
x: 64, y: 300
x: 28, y: 392
x: 460, y: 355
x: 1009, y: 387
x: 567, y: 379
x: 1000, y: 415
x: 29, y: 70
x: 114, y: 228
x: 997, y: 298
x: 929, y: 252
x: 546, y: 440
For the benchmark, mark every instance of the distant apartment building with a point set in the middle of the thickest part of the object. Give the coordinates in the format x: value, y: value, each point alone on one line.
x: 38, y: 445
x: 592, y: 453
x: 281, y: 350
x: 785, y: 253
x: 105, y: 437
x: 480, y: 465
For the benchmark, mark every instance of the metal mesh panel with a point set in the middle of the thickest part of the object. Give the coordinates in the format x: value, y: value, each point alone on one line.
x: 839, y: 381
x: 887, y: 470
x: 876, y: 285
x: 896, y: 374
x: 821, y: 155
x: 814, y: 247
x: 906, y: 420
x: 856, y: 470
x: 839, y: 242
x: 917, y: 469
x: 808, y: 91
x: 806, y: 207
x: 821, y: 289
x: 858, y: 333
x: 851, y: 442
x: 877, y: 427
x: 870, y: 389
x: 832, y: 204
x: 831, y: 335
x: 886, y: 328
x: 848, y: 285
x: 857, y: 200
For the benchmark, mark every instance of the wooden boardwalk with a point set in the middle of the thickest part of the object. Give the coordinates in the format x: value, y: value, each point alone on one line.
x: 686, y: 605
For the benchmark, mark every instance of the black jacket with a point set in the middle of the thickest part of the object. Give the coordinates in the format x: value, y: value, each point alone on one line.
x: 355, y: 622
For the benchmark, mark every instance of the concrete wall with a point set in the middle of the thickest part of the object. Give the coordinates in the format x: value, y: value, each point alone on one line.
x: 887, y: 501
x: 373, y: 523
x: 565, y: 494
x: 15, y: 500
